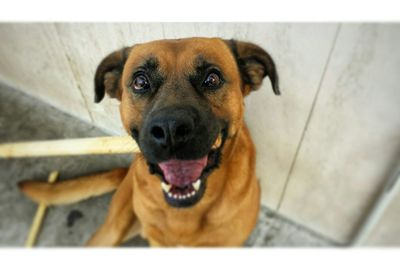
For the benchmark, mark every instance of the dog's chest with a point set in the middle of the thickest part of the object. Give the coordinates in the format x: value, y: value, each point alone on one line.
x: 189, y: 227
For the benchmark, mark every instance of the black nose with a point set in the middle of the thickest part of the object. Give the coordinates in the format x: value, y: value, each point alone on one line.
x: 172, y: 129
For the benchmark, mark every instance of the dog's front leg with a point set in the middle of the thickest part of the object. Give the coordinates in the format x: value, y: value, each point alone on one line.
x: 120, y: 219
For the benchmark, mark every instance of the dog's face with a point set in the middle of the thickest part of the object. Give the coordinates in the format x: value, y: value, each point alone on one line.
x: 180, y: 100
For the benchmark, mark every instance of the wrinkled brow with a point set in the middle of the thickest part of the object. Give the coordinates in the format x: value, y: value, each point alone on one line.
x: 149, y: 64
x: 201, y: 64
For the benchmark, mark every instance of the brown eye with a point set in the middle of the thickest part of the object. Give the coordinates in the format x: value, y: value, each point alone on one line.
x: 140, y: 83
x: 213, y: 80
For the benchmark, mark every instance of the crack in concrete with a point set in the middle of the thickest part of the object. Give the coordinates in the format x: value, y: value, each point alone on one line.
x: 310, y: 114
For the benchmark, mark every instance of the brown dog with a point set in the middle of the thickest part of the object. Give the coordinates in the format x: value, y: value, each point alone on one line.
x: 194, y: 183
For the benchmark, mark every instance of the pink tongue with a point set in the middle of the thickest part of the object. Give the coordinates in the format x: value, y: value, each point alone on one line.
x: 182, y: 172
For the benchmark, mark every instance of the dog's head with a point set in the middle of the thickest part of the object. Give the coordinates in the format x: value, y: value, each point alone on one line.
x: 180, y: 100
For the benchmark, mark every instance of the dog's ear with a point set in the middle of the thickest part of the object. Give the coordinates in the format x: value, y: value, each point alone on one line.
x: 108, y: 75
x: 254, y: 64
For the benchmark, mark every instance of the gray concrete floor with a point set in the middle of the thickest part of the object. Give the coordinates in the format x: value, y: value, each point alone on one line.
x: 24, y: 118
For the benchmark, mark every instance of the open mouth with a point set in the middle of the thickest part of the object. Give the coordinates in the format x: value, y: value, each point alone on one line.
x: 183, y: 182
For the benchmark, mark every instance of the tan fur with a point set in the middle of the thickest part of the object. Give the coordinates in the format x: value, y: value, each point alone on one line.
x: 227, y: 213
x: 70, y: 191
x: 120, y: 218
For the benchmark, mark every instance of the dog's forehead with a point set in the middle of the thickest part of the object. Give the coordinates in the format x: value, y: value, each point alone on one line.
x: 181, y: 54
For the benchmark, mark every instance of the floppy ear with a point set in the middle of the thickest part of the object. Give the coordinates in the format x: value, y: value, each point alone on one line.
x: 254, y: 64
x: 108, y: 75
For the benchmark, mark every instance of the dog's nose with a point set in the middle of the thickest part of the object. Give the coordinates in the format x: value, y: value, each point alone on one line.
x: 172, y: 129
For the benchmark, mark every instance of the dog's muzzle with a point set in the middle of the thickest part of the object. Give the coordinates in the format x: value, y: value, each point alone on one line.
x: 182, y: 145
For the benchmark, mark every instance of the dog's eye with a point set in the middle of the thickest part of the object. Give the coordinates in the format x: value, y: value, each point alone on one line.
x: 212, y: 81
x: 140, y: 83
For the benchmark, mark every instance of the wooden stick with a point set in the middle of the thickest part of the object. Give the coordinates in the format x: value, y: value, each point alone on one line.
x: 38, y: 219
x: 65, y: 147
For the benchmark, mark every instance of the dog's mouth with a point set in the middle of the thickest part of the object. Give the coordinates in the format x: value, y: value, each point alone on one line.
x: 183, y: 182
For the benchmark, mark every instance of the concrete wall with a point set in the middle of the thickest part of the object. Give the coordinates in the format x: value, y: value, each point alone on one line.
x: 325, y: 147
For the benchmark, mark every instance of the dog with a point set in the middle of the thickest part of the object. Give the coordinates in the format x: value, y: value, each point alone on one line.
x: 194, y: 182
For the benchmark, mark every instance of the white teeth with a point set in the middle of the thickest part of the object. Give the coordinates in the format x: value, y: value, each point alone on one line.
x: 196, y: 185
x: 178, y: 196
x: 165, y: 187
x: 217, y: 142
